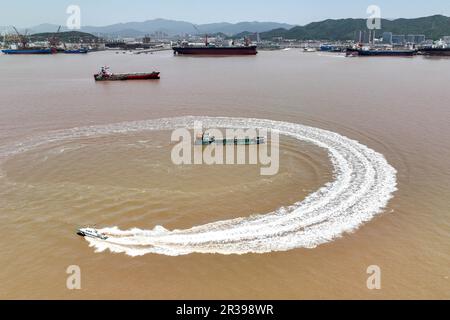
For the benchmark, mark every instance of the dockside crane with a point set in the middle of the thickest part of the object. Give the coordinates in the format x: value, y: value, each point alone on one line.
x: 22, y: 39
x: 206, y: 35
x: 54, y: 40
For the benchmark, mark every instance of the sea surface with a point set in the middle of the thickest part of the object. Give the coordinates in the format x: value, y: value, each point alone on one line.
x: 74, y: 153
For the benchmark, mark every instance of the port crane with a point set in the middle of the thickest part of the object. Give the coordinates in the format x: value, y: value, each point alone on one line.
x: 196, y: 28
x: 206, y: 35
x: 22, y: 39
x: 54, y: 40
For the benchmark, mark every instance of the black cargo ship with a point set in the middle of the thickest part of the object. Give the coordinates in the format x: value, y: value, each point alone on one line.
x: 217, y: 51
x: 435, y: 51
x: 213, y: 50
x: 381, y: 52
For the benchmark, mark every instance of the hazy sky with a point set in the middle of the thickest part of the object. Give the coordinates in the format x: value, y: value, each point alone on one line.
x: 26, y: 13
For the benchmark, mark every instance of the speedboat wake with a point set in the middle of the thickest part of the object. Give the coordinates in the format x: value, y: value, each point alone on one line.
x: 363, y: 184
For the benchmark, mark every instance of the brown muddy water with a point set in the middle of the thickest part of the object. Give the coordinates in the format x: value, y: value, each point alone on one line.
x: 399, y: 107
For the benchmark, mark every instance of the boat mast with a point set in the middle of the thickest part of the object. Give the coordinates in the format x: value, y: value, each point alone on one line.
x: 54, y: 40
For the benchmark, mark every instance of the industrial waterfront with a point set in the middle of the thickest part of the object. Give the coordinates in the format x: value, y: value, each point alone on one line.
x: 360, y: 42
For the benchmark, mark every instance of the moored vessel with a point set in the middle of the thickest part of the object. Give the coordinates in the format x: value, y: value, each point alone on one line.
x: 441, y: 48
x: 29, y: 51
x: 365, y: 52
x: 22, y: 46
x: 331, y: 48
x: 213, y: 50
x: 219, y: 51
x: 76, y: 51
x: 435, y: 51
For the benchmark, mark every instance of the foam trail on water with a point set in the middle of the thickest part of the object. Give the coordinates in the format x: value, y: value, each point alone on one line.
x: 364, y: 183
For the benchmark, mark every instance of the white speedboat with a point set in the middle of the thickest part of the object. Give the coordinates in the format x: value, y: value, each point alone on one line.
x: 91, y: 233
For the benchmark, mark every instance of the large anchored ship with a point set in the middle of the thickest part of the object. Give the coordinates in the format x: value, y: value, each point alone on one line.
x: 380, y: 52
x: 208, y: 49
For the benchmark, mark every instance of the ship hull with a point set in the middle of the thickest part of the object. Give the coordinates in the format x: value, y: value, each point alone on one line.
x: 31, y: 51
x: 78, y: 51
x: 216, y: 51
x: 388, y: 53
x: 128, y: 76
x: 382, y: 53
x: 436, y: 52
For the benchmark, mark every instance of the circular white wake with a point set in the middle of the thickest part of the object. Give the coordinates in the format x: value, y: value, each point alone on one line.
x: 364, y: 183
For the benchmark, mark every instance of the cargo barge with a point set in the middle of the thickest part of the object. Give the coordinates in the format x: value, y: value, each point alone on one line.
x: 206, y: 139
x: 106, y: 75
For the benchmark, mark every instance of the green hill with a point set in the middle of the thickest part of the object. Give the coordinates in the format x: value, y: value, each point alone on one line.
x: 67, y: 37
x: 433, y: 27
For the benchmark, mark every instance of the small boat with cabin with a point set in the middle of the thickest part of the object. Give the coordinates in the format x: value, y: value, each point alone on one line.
x: 91, y: 233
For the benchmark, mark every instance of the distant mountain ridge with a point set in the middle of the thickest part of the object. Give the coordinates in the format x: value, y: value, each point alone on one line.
x: 172, y: 27
x: 169, y: 27
x: 433, y: 27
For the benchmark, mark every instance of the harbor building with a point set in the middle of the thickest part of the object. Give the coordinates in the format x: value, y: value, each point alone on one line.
x: 415, y: 38
x: 387, y: 37
x: 398, y: 39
